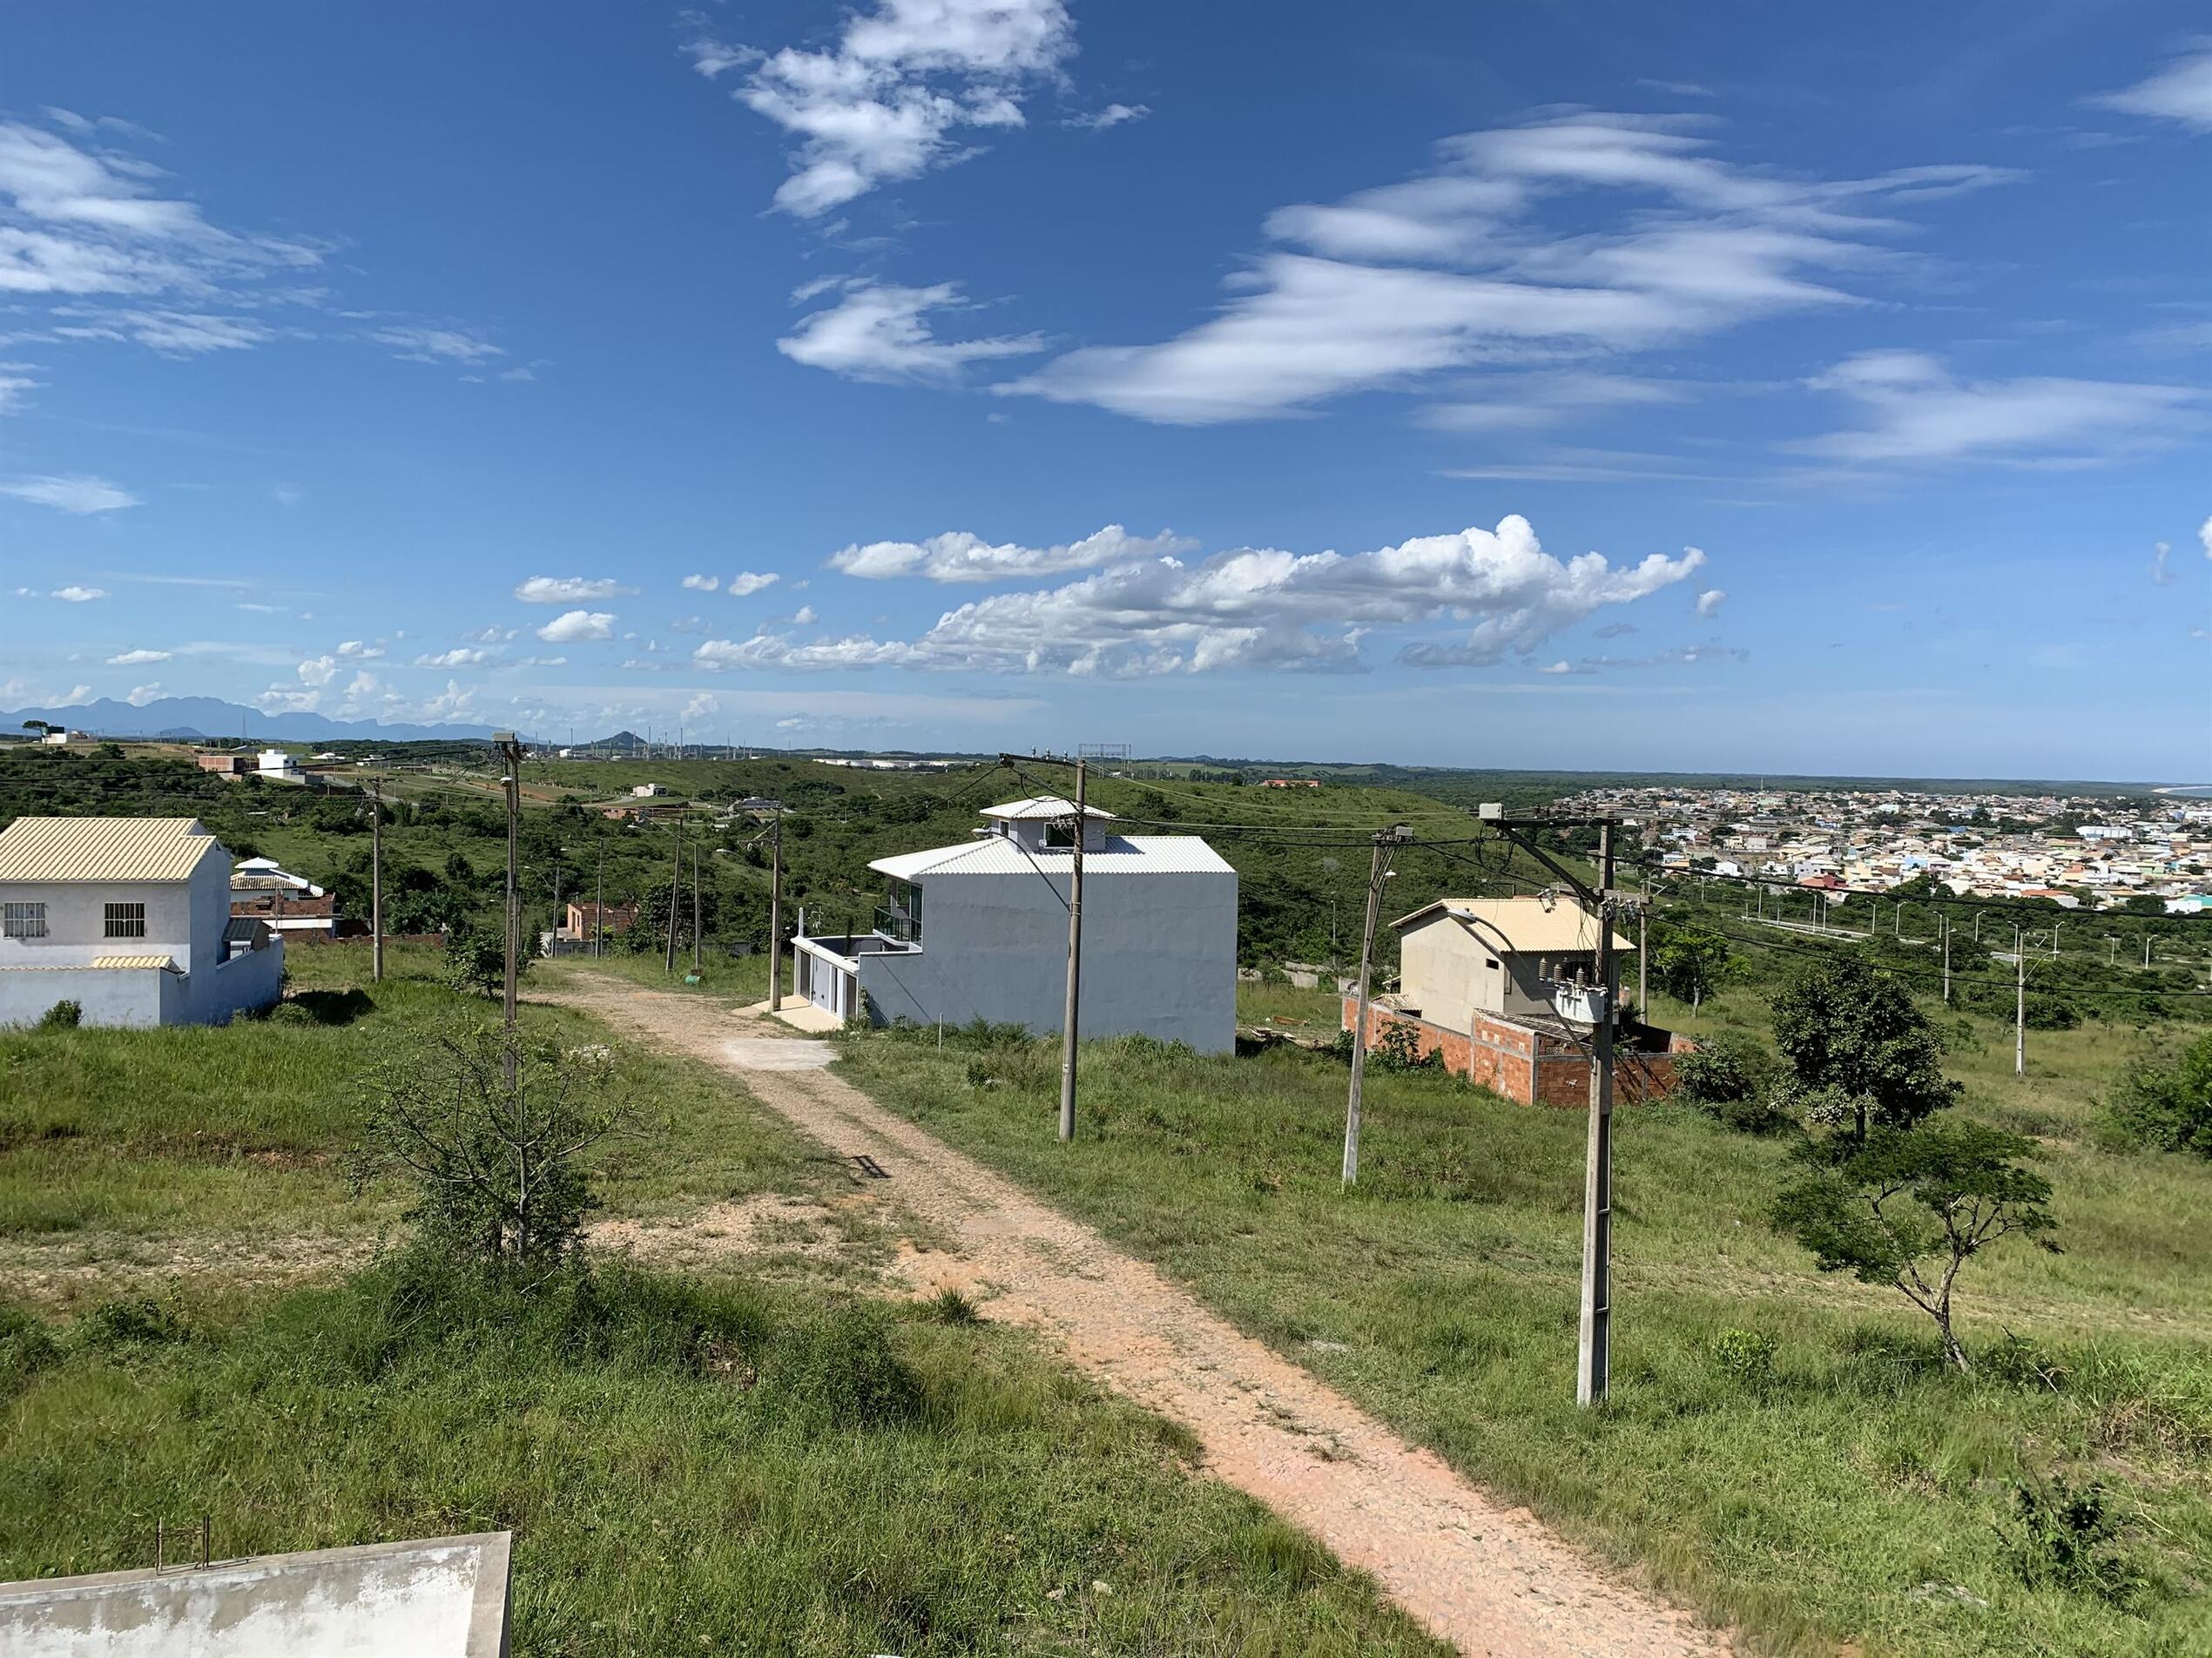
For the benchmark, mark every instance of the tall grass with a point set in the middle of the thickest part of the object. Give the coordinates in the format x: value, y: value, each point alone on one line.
x: 1843, y: 1490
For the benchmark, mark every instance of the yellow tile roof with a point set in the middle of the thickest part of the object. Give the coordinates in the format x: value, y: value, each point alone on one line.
x: 103, y: 849
x: 1527, y: 925
x: 133, y: 962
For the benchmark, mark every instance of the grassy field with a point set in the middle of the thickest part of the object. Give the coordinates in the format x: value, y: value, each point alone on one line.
x: 1844, y: 1491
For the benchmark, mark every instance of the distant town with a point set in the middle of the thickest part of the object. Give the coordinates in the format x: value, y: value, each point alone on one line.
x: 2086, y: 852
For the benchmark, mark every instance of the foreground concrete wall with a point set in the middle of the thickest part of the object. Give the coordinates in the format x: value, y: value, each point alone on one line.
x: 1159, y: 956
x: 134, y: 996
x: 447, y: 1597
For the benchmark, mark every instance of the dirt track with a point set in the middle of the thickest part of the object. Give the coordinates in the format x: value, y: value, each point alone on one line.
x: 1488, y: 1577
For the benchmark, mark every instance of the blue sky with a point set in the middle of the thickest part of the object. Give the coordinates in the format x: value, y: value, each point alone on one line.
x: 1573, y: 385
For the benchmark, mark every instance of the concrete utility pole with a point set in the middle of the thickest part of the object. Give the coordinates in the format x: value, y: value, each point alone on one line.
x: 1946, y: 960
x: 510, y: 752
x: 599, y: 902
x: 675, y: 895
x: 1075, y: 962
x: 776, y: 911
x: 2019, y: 1005
x: 1643, y: 952
x: 695, y: 907
x: 375, y: 883
x: 1377, y: 873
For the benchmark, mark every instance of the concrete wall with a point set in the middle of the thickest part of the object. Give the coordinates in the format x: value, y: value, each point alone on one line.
x: 1159, y: 956
x: 185, y: 920
x: 1527, y: 1066
x: 134, y: 996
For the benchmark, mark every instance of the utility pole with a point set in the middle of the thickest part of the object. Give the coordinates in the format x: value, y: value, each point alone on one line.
x: 1946, y: 960
x: 695, y: 907
x: 1075, y: 962
x: 1378, y: 873
x: 510, y: 752
x: 1643, y: 952
x: 1594, y: 1371
x: 675, y: 895
x: 375, y: 883
x: 599, y: 902
x: 776, y: 911
x: 2019, y: 1005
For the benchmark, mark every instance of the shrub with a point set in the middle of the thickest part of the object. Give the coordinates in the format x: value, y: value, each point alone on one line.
x: 842, y: 1368
x: 26, y: 1347
x: 62, y: 1016
x: 2168, y: 1106
x: 1399, y: 1050
x: 1745, y: 1355
x: 135, y: 1322
x: 1731, y: 1078
x: 949, y: 1306
x: 476, y: 961
x: 2064, y: 1539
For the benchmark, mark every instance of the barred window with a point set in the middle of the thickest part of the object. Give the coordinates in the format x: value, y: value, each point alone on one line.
x: 126, y: 921
x: 23, y: 920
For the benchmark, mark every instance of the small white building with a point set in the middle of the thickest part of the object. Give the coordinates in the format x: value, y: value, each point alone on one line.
x: 979, y: 930
x: 129, y: 918
x: 276, y: 764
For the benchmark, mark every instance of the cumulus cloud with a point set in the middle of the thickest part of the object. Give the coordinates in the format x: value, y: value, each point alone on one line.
x: 141, y: 694
x: 1710, y: 602
x: 1658, y: 237
x: 1253, y: 608
x: 900, y: 91
x: 746, y: 584
x: 959, y: 556
x: 77, y: 493
x: 74, y: 595
x: 703, y: 583
x: 2204, y: 535
x: 1914, y: 411
x: 2181, y: 91
x: 573, y: 626
x: 876, y: 331
x: 459, y: 657
x: 1112, y: 115
x: 138, y: 658
x: 568, y: 590
x: 318, y: 671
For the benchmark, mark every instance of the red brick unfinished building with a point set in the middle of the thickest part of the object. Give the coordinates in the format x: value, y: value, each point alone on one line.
x: 1531, y: 1065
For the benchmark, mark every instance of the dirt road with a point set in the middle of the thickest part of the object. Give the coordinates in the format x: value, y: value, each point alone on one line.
x: 1488, y: 1577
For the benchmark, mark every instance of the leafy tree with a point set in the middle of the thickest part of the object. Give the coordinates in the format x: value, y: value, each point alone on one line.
x: 495, y: 1138
x: 2168, y: 1106
x: 1731, y: 1078
x: 1691, y: 964
x: 1844, y: 1028
x: 1909, y: 1206
x: 476, y: 961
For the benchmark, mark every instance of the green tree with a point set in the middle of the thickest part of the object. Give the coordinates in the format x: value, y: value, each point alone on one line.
x: 476, y: 961
x: 2168, y: 1105
x: 1909, y: 1207
x: 1691, y: 964
x: 1857, y: 1033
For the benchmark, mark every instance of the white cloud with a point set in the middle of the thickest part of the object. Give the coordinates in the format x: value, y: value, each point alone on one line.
x: 318, y: 671
x: 804, y: 616
x: 1112, y: 115
x: 141, y: 694
x: 1390, y: 287
x: 746, y: 584
x: 73, y: 595
x: 173, y: 333
x: 490, y: 636
x: 1915, y: 411
x: 568, y: 590
x: 876, y: 331
x: 1710, y: 602
x: 1525, y: 402
x: 959, y: 556
x: 414, y: 343
x: 2181, y: 91
x: 573, y: 626
x: 701, y: 706
x: 75, y: 493
x: 1254, y: 608
x: 2204, y: 535
x: 703, y: 583
x: 886, y: 103
x: 459, y: 657
x: 2161, y: 574
x: 138, y: 658
x: 15, y: 386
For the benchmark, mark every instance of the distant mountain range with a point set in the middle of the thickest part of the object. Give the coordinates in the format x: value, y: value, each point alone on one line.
x: 202, y: 719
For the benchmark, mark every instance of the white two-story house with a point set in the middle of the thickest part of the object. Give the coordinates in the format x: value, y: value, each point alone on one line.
x: 979, y: 930
x: 129, y: 918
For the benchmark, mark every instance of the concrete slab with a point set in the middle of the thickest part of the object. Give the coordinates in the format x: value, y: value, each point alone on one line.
x: 801, y: 1015
x: 441, y: 1597
x: 777, y: 1053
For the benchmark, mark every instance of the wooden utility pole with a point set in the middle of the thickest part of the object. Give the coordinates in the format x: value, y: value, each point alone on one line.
x: 776, y: 913
x: 375, y: 883
x: 695, y: 907
x: 1377, y: 873
x: 1595, y: 1366
x: 2019, y: 1004
x: 1070, y: 1019
x: 675, y: 895
x: 510, y: 751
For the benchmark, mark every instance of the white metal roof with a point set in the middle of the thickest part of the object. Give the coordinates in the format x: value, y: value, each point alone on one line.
x: 1041, y: 805
x: 1524, y: 925
x: 1122, y: 855
x: 103, y: 849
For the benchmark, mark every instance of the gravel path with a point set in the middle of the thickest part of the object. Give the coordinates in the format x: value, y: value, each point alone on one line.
x: 1488, y: 1577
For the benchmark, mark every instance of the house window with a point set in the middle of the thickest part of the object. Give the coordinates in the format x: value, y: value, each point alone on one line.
x: 126, y: 921
x: 23, y: 920
x: 1060, y: 835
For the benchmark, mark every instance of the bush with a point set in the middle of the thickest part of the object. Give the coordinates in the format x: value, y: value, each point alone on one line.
x: 1399, y: 1050
x: 62, y: 1016
x: 1747, y: 1356
x: 26, y: 1347
x: 2064, y: 1539
x: 476, y: 961
x: 1732, y: 1079
x: 2168, y: 1106
x: 139, y: 1322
